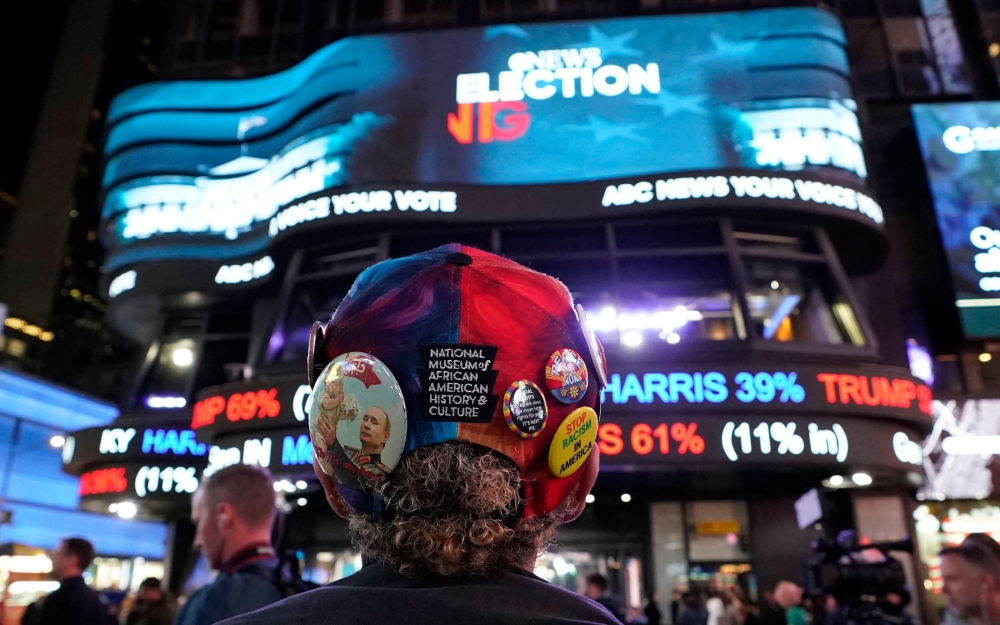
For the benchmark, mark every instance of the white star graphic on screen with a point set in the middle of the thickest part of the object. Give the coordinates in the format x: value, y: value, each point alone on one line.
x: 610, y: 46
x: 604, y: 129
x: 671, y: 103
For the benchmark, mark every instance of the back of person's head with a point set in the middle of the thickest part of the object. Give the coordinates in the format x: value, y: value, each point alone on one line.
x: 787, y: 594
x: 970, y: 574
x: 248, y: 489
x: 598, y: 581
x: 150, y: 590
x: 985, y: 541
x: 980, y: 555
x: 484, y: 482
x: 81, y: 549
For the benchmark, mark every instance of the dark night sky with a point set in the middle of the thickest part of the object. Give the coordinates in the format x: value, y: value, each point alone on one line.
x: 29, y: 36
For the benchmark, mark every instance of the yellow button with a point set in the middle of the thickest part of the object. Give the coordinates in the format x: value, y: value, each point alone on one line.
x: 573, y: 442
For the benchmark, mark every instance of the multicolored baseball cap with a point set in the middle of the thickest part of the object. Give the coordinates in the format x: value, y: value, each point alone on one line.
x: 455, y: 344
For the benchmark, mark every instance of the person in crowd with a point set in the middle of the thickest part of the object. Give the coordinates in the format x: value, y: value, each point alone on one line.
x: 770, y: 612
x: 788, y: 595
x: 737, y: 608
x: 693, y: 611
x: 652, y: 610
x: 73, y: 603
x: 985, y: 541
x: 233, y: 511
x: 676, y: 605
x: 970, y: 573
x: 716, y: 608
x: 452, y: 532
x: 831, y: 611
x: 33, y: 613
x: 153, y: 606
x: 596, y: 588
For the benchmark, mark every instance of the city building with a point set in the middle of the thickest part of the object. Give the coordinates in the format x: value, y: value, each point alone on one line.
x: 72, y: 59
x: 39, y: 502
x: 756, y: 280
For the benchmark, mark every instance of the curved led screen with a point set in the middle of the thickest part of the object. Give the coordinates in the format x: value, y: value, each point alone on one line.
x: 545, y: 121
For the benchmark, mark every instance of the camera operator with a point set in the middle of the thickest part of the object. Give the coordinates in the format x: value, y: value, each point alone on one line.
x: 971, y: 576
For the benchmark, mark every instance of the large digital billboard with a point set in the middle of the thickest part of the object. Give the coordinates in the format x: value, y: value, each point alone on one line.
x: 551, y: 121
x: 961, y: 149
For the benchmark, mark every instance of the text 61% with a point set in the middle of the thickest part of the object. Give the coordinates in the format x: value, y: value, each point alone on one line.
x: 765, y: 387
x: 642, y: 438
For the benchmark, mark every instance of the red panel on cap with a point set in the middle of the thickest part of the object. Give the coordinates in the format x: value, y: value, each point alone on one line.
x: 527, y: 315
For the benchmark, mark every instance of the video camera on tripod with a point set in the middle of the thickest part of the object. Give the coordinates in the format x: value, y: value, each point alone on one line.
x: 868, y: 584
x: 835, y: 568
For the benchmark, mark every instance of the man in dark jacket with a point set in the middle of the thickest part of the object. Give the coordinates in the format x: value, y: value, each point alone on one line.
x: 233, y: 511
x: 455, y: 346
x: 596, y: 588
x: 73, y: 603
x: 152, y: 605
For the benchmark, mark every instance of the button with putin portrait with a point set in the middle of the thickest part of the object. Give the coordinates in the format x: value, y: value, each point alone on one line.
x: 357, y: 421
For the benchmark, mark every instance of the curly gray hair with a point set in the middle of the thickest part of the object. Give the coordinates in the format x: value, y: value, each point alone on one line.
x: 454, y: 504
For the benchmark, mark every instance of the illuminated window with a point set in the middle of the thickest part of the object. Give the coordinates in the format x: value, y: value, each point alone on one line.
x: 645, y: 283
x: 791, y: 292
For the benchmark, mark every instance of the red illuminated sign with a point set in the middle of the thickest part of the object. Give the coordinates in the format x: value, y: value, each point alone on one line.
x: 512, y: 125
x: 103, y: 481
x: 847, y: 389
x: 239, y: 407
x: 643, y: 438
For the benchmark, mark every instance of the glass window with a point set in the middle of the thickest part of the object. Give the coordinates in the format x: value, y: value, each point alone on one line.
x: 174, y: 364
x: 224, y: 16
x: 292, y: 12
x: 773, y: 240
x: 219, y: 357
x: 911, y: 48
x: 527, y: 8
x: 667, y: 298
x: 191, y: 22
x: 368, y: 13
x: 554, y: 240
x: 858, y: 8
x: 653, y: 235
x: 310, y: 302
x: 248, y: 18
x: 578, y: 274
x: 792, y: 301
x: 698, y: 315
x: 870, y: 62
x: 901, y: 8
x: 219, y: 48
x: 493, y: 10
x: 404, y: 244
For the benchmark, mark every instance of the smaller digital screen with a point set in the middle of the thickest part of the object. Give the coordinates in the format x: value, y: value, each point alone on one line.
x: 960, y: 143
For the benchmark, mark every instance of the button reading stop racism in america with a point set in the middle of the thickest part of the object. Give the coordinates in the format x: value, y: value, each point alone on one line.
x: 573, y: 442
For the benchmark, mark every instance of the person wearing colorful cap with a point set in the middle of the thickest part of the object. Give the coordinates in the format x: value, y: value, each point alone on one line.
x: 491, y: 380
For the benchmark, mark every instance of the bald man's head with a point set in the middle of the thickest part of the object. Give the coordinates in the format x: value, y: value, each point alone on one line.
x: 375, y: 430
